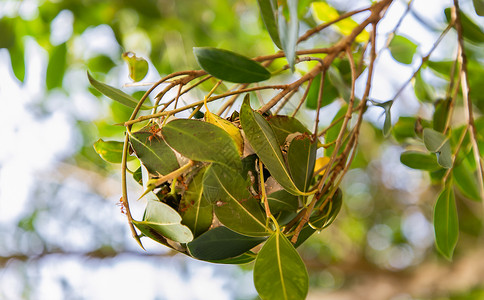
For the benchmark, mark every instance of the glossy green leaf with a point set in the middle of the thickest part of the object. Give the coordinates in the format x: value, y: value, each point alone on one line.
x: 301, y: 157
x: 438, y: 143
x: 238, y: 260
x: 56, y: 66
x: 402, y: 49
x: 470, y: 30
x: 264, y: 142
x: 195, y: 209
x: 138, y: 66
x: 202, y: 141
x: 419, y: 160
x: 466, y: 181
x: 479, y: 7
x: 279, y: 272
x: 230, y: 66
x: 159, y: 218
x: 110, y: 151
x: 284, y: 126
x: 234, y: 206
x: 222, y: 243
x: 445, y: 223
x: 440, y: 114
x: 114, y: 93
x: 230, y: 128
x: 321, y: 217
x: 268, y: 10
x: 330, y: 93
x: 333, y: 132
x: 154, y: 153
x: 288, y: 31
x: 282, y: 201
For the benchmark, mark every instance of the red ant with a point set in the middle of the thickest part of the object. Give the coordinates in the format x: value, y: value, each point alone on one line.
x: 121, y: 206
x: 154, y: 130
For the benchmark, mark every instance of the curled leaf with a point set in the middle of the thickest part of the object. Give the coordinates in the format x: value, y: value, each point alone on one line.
x: 230, y: 128
x: 230, y: 66
x: 138, y: 67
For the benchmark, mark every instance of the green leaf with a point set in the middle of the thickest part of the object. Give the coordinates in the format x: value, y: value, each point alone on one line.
x: 110, y: 151
x: 438, y: 143
x: 263, y: 140
x: 404, y: 128
x: 466, y: 181
x: 196, y: 210
x: 333, y: 132
x: 138, y: 176
x: 336, y: 79
x: 202, y: 141
x: 268, y: 10
x: 479, y: 7
x: 7, y: 32
x: 138, y: 66
x: 470, y: 30
x: 239, y: 260
x: 154, y: 153
x: 445, y: 223
x: 387, y: 124
x: 114, y: 93
x: 288, y: 31
x: 402, y: 49
x: 419, y: 160
x: 282, y: 201
x: 330, y: 93
x: 17, y: 59
x: 324, y: 216
x: 440, y: 115
x: 301, y: 158
x: 230, y: 128
x: 423, y: 91
x: 279, y: 272
x: 100, y: 64
x: 234, y: 206
x: 387, y: 106
x: 321, y: 217
x: 56, y: 66
x: 222, y: 243
x: 230, y: 66
x: 284, y: 126
x: 161, y: 219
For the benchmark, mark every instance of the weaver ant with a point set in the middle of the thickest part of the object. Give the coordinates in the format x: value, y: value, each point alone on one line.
x: 154, y: 130
x: 121, y: 205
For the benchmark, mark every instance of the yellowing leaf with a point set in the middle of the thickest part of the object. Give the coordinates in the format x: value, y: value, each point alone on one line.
x: 230, y: 128
x: 322, y: 11
x: 321, y: 165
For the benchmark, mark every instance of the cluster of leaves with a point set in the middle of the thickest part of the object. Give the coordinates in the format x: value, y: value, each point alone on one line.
x: 218, y: 188
x: 238, y: 191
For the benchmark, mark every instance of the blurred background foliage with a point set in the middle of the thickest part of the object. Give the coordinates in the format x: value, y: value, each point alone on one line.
x: 65, y: 238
